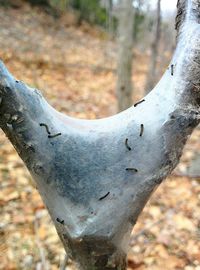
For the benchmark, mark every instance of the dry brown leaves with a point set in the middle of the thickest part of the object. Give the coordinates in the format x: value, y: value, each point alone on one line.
x: 76, y: 72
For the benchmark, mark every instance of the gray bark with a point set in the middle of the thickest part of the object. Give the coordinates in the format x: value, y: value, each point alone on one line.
x: 152, y: 73
x: 96, y: 176
x: 109, y: 8
x: 125, y: 47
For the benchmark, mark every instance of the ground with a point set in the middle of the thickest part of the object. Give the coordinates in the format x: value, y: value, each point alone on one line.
x: 76, y: 71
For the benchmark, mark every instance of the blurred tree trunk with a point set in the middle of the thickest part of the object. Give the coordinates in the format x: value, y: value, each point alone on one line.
x: 125, y: 46
x: 87, y: 171
x: 139, y: 4
x: 151, y: 77
x: 110, y: 19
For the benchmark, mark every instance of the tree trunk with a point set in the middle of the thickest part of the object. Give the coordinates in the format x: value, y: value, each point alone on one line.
x: 96, y: 176
x: 152, y: 74
x: 109, y: 19
x: 125, y: 46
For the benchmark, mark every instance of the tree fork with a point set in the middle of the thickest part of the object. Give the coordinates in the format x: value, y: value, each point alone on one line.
x: 96, y: 176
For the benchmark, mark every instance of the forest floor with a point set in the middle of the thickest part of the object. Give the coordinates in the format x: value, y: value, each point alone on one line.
x: 75, y: 68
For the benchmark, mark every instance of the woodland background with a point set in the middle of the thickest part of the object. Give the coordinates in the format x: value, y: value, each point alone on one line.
x: 68, y: 50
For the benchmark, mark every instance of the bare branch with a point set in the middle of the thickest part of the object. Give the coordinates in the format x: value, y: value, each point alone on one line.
x: 83, y: 161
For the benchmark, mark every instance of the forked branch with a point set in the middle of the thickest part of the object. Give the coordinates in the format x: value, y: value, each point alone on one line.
x: 95, y: 177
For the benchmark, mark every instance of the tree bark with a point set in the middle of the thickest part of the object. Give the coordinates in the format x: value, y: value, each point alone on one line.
x: 109, y: 8
x: 152, y: 74
x: 125, y: 47
x: 96, y: 176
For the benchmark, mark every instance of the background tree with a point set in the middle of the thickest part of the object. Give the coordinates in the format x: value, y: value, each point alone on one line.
x: 110, y: 19
x: 152, y: 73
x: 125, y: 53
x: 87, y: 170
x: 139, y: 18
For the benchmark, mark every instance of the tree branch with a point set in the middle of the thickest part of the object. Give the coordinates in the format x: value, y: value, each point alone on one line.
x: 83, y: 169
